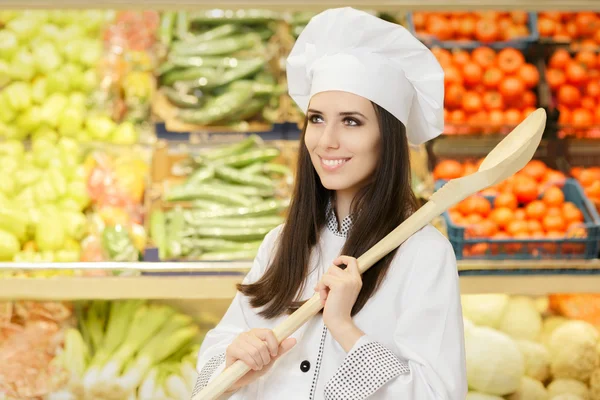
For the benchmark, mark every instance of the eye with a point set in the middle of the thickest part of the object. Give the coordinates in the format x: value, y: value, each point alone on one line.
x: 352, y: 121
x: 315, y: 119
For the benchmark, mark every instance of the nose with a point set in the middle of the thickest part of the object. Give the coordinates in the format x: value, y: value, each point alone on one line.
x: 329, y: 138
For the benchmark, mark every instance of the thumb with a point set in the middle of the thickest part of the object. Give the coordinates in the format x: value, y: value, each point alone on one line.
x: 286, y: 346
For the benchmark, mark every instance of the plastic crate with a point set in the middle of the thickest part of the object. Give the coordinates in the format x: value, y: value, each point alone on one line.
x: 521, y: 43
x: 532, y: 249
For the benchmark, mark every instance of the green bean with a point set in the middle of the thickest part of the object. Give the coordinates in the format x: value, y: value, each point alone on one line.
x: 201, y: 175
x: 213, y: 62
x: 244, y: 69
x: 270, y: 207
x: 182, y: 25
x: 255, y: 168
x: 222, y: 107
x: 167, y: 22
x: 186, y: 193
x: 183, y: 100
x: 241, y: 16
x: 237, y: 176
x: 191, y: 74
x: 220, y: 244
x: 276, y: 169
x: 221, y: 222
x: 250, y: 157
x: 207, y: 205
x: 220, y: 46
x: 253, y: 108
x: 231, y: 149
x: 241, y: 234
x: 212, y: 34
x: 251, y: 191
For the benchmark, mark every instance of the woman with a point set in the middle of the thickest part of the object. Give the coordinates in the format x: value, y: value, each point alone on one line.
x: 368, y: 89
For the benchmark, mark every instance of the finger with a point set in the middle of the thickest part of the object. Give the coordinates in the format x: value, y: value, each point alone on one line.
x: 240, y: 352
x: 330, y: 281
x: 286, y: 346
x: 269, y: 337
x: 262, y: 348
x: 352, y: 267
x: 334, y: 270
x: 323, y: 295
x: 342, y: 262
x: 249, y: 347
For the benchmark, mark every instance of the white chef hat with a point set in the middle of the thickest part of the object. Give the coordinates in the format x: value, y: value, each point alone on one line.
x: 350, y: 50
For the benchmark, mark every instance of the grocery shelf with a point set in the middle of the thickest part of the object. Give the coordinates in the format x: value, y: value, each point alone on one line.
x: 388, y: 5
x: 195, y: 281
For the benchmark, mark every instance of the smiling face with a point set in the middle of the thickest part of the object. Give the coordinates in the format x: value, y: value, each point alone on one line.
x: 343, y: 140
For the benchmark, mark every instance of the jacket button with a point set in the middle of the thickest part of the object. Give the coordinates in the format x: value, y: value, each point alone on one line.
x: 305, y: 366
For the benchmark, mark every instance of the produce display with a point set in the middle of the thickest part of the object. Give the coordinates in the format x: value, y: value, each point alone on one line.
x: 574, y: 80
x: 521, y: 348
x: 56, y: 194
x: 484, y: 26
x: 128, y: 64
x: 589, y: 178
x: 48, y: 76
x: 234, y: 195
x: 486, y: 91
x: 128, y: 349
x: 579, y: 29
x: 220, y: 67
x: 528, y: 213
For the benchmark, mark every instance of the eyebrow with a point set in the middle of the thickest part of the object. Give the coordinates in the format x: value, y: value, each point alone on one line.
x: 343, y: 114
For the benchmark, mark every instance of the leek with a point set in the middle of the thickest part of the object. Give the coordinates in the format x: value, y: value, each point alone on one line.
x: 146, y: 390
x: 146, y: 322
x: 176, y: 333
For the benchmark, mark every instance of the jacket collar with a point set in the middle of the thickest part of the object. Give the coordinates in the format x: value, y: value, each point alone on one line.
x: 332, y: 222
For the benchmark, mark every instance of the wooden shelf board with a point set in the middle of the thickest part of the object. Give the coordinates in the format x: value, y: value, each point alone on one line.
x: 389, y: 5
x: 534, y: 285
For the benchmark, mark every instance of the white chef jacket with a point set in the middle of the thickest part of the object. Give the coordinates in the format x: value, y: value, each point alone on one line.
x: 413, y: 347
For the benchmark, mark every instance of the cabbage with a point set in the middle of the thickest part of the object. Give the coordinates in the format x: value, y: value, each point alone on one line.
x: 521, y: 319
x: 9, y: 246
x: 18, y: 95
x: 484, y: 309
x: 494, y: 363
x: 50, y: 232
x: 537, y: 359
x: 481, y: 396
x: 530, y: 389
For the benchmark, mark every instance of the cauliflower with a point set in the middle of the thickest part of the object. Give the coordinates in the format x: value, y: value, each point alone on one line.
x: 494, y: 363
x: 481, y: 396
x: 537, y: 359
x: 568, y: 386
x: 549, y: 326
x: 530, y: 389
x: 484, y: 309
x: 521, y: 319
x: 595, y: 385
x: 573, y: 352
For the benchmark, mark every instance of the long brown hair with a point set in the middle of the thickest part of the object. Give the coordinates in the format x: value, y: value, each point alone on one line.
x: 378, y: 208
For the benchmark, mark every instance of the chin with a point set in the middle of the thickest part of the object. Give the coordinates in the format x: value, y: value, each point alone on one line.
x: 336, y: 183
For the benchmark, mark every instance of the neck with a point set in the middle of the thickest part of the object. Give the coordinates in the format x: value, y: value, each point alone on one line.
x: 343, y: 200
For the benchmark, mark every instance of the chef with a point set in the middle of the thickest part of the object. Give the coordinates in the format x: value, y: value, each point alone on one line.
x: 369, y: 90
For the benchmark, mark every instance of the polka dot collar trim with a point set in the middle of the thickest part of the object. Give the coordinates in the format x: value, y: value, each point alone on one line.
x: 332, y: 222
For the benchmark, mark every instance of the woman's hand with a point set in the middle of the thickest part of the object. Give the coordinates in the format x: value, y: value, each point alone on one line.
x: 258, y: 349
x: 339, y: 289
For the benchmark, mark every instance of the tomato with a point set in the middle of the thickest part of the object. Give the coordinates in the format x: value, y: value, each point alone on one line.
x: 419, y: 20
x: 504, y: 24
x: 582, y: 118
x: 484, y: 56
x: 457, y: 117
x: 486, y: 31
x: 592, y: 89
x: 553, y: 15
x: 492, y: 77
x: 460, y: 57
x: 510, y: 60
x: 553, y: 197
x: 569, y: 96
x: 512, y: 116
x: 493, y: 101
x: 564, y: 115
x: 572, y: 215
x: 472, y: 73
x: 525, y: 188
x: 439, y: 27
x: 535, y: 226
x: 496, y: 118
x: 519, y: 17
x: 597, y: 115
x: 555, y: 178
x: 452, y: 76
x: 502, y: 216
x: 448, y: 169
x: 527, y: 111
x: 576, y: 73
x: 559, y: 59
x: 530, y: 75
x: 587, y: 23
x: 454, y: 96
x: 535, y: 169
x: 466, y: 26
x: 555, y: 223
x: 472, y: 102
x: 588, y: 103
x: 508, y: 200
x: 443, y: 56
x: 587, y: 58
x: 488, y: 15
x: 529, y: 99
x: 546, y: 27
x: 571, y: 30
x: 536, y: 210
x: 511, y: 87
x: 555, y: 78
x: 517, y: 226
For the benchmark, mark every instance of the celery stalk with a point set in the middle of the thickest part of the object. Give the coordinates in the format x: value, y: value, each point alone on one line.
x: 174, y: 334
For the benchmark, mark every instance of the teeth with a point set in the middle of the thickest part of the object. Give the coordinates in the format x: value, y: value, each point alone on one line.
x: 332, y: 163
